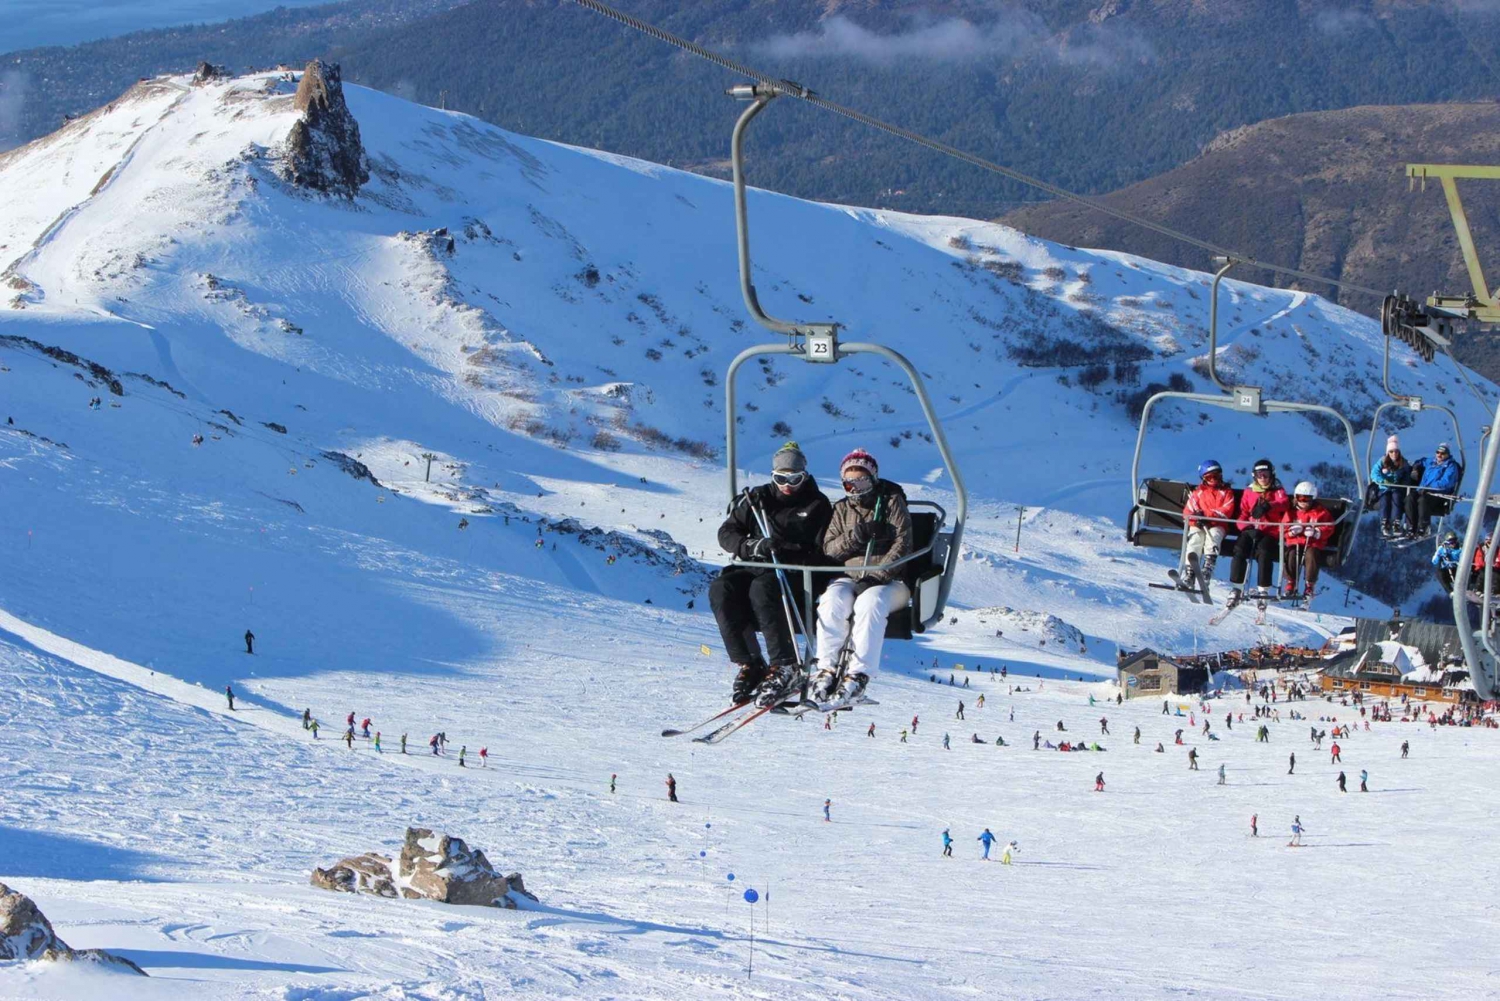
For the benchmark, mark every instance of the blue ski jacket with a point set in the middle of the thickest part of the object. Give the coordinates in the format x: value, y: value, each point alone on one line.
x: 1446, y: 557
x: 1442, y: 477
x: 987, y: 838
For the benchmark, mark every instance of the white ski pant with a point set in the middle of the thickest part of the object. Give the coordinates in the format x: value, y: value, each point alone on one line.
x: 870, y: 611
x: 1201, y: 538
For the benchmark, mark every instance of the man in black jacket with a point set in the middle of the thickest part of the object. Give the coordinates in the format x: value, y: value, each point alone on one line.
x: 747, y: 600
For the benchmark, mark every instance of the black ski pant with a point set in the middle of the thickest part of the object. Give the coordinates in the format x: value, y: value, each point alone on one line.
x: 1256, y: 543
x: 746, y: 602
x: 1445, y: 578
x: 1421, y: 506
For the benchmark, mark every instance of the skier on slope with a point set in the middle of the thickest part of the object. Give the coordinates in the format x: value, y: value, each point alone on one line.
x: 746, y: 600
x: 1308, y: 531
x: 249, y: 641
x: 986, y: 839
x: 1446, y: 560
x: 1440, y: 476
x: 870, y: 527
x: 947, y: 843
x: 671, y: 787
x: 1207, y: 514
x: 1011, y: 848
x: 1297, y: 832
x: 229, y: 694
x: 1263, y: 506
x: 1388, y: 476
x: 1099, y: 782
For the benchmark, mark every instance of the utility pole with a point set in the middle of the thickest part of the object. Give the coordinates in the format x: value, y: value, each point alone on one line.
x: 429, y: 457
x: 1019, y: 515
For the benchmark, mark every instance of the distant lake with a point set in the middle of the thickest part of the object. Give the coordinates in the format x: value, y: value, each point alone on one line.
x: 26, y: 24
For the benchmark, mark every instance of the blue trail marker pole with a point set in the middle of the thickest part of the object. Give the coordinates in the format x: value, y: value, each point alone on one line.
x: 750, y: 898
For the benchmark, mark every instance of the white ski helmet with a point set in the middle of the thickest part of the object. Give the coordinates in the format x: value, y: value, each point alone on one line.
x: 1306, y: 488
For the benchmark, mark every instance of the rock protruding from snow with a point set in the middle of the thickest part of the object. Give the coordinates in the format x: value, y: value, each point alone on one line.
x: 444, y: 868
x: 432, y: 867
x: 367, y: 873
x: 1042, y: 628
x: 323, y: 148
x: 26, y: 934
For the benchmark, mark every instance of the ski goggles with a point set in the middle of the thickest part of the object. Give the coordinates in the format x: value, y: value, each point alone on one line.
x: 788, y: 479
x: 859, y: 485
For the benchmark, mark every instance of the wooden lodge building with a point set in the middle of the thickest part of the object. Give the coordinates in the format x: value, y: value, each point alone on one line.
x: 1147, y: 674
x: 1373, y: 676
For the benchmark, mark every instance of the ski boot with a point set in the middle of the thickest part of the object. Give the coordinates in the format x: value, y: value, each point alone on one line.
x: 820, y: 688
x: 781, y: 681
x: 748, y: 679
x: 1206, y: 568
x: 1307, y: 592
x: 851, y: 689
x: 1289, y: 589
x: 1236, y: 595
x: 1387, y: 530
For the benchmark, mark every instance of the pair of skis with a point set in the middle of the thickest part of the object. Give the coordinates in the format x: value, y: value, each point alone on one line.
x: 749, y: 712
x: 1197, y: 594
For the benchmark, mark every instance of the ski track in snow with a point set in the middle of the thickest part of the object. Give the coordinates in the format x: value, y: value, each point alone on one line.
x: 587, y: 293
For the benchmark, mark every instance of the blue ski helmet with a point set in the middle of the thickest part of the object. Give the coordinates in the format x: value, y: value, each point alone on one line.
x: 1209, y: 466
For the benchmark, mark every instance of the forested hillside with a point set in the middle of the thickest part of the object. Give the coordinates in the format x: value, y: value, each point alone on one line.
x: 1092, y: 95
x: 1323, y: 192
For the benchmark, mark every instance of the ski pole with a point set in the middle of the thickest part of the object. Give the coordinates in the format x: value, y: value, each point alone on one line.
x: 788, y: 606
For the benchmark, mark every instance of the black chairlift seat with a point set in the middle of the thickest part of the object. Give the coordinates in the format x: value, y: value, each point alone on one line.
x: 1152, y: 522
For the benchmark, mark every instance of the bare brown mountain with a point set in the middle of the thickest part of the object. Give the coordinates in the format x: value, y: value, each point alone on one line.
x: 1324, y: 192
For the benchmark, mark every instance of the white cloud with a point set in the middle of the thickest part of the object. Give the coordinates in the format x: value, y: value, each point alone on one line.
x: 1013, y: 34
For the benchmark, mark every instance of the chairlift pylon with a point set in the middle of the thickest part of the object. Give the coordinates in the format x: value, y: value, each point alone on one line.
x: 1155, y: 519
x: 930, y: 568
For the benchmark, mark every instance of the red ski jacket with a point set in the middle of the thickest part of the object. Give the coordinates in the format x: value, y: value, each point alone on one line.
x: 1277, y: 502
x: 1210, y: 502
x: 1316, y: 524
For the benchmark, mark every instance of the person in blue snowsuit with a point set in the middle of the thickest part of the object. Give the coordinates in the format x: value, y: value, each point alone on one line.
x: 1446, y: 560
x: 987, y: 839
x: 947, y: 843
x: 1440, y: 476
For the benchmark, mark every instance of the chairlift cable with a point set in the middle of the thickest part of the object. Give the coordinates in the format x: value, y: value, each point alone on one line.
x: 789, y: 88
x: 1479, y: 397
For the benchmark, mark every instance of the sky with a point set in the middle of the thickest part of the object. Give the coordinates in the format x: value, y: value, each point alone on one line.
x: 31, y: 23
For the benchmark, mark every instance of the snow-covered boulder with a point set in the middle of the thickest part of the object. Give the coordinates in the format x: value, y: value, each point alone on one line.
x: 367, y: 873
x: 1040, y: 628
x: 444, y: 868
x: 26, y: 934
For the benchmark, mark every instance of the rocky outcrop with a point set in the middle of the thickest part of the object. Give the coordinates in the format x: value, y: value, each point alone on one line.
x: 323, y: 151
x: 444, y: 868
x: 26, y: 934
x: 367, y: 873
x: 432, y: 867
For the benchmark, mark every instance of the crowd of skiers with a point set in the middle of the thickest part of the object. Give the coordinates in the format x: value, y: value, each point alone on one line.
x: 789, y: 521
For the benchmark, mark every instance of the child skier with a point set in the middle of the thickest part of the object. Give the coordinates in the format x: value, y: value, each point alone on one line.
x: 1446, y: 560
x: 870, y: 527
x: 1207, y: 514
x: 1010, y: 849
x: 1099, y: 782
x: 1309, y: 530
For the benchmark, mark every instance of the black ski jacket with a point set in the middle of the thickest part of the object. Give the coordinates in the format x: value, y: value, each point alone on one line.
x: 797, y: 522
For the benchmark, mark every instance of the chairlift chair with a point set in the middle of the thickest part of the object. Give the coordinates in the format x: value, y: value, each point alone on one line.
x: 929, y: 570
x: 1155, y: 519
x: 1415, y: 404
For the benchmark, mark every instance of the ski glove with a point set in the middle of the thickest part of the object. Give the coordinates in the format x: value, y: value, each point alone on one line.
x: 873, y: 531
x: 756, y: 550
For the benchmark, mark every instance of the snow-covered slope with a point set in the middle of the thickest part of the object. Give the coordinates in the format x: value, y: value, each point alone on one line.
x: 550, y: 326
